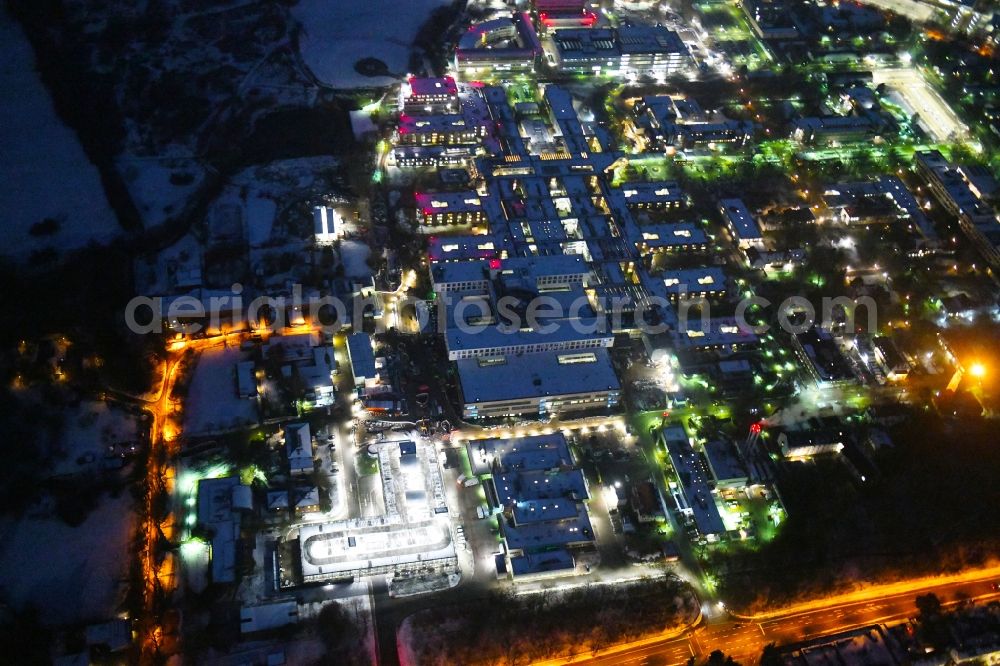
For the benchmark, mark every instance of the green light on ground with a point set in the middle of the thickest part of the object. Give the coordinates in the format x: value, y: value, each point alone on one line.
x: 193, y: 549
x: 252, y: 473
x: 466, y: 463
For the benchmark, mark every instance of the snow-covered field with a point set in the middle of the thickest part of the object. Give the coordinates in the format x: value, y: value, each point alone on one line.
x: 355, y: 255
x: 45, y: 171
x: 262, y: 187
x: 89, y: 430
x: 338, y: 33
x: 212, y: 403
x: 160, y: 187
x: 71, y: 574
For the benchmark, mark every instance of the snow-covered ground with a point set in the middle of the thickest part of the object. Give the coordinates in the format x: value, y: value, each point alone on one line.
x: 261, y: 210
x: 71, y: 574
x: 176, y: 268
x: 212, y: 404
x: 89, y: 430
x: 359, y: 608
x: 338, y: 33
x: 45, y: 171
x: 354, y: 254
x: 263, y: 187
x: 160, y: 187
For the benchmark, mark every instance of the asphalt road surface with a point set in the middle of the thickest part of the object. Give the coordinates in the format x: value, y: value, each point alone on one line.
x: 744, y: 641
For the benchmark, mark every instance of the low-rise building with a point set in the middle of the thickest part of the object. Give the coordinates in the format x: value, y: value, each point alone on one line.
x: 673, y: 122
x: 299, y: 448
x: 538, y: 383
x: 679, y: 237
x: 303, y: 357
x: 469, y: 277
x: 361, y: 355
x: 415, y: 157
x: 840, y: 129
x: 453, y: 129
x: 277, y: 501
x: 809, y: 443
x: 424, y: 95
x: 725, y: 464
x: 721, y: 334
x: 327, y: 225
x: 450, y: 208
x: 501, y: 45
x: 740, y: 223
x: 695, y: 283
x: 447, y: 249
x: 636, y: 50
x: 221, y: 503
x: 695, y: 498
x: 653, y: 195
x: 770, y: 19
x: 268, y: 616
x: 491, y: 341
x: 890, y: 359
x: 306, y: 500
x: 646, y: 502
x: 959, y: 190
x: 775, y: 261
x: 818, y: 351
x: 544, y: 521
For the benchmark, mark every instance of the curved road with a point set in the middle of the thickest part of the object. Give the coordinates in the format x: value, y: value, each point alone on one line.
x: 744, y: 641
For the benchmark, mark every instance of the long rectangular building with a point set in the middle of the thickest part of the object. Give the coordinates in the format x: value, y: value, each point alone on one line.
x: 429, y: 95
x: 538, y: 383
x: 697, y: 500
x: 452, y: 129
x: 542, y: 494
x: 499, y: 46
x: 961, y: 196
x: 448, y: 208
x: 707, y: 282
x: 629, y: 50
x: 740, y: 223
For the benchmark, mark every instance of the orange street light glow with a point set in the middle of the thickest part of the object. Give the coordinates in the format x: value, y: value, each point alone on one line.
x: 977, y: 370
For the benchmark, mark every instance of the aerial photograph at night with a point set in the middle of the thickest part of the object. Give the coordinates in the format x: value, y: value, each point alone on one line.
x: 500, y: 332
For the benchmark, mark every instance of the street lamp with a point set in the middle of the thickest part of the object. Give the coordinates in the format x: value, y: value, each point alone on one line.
x: 977, y: 370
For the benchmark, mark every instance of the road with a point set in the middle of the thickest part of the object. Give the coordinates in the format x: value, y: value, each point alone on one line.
x: 744, y: 640
x: 157, y: 572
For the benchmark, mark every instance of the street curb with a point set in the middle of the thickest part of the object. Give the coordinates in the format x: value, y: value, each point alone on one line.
x: 871, y: 593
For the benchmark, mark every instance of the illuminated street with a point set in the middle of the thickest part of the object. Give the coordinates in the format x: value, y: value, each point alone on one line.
x: 500, y: 332
x: 744, y: 639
